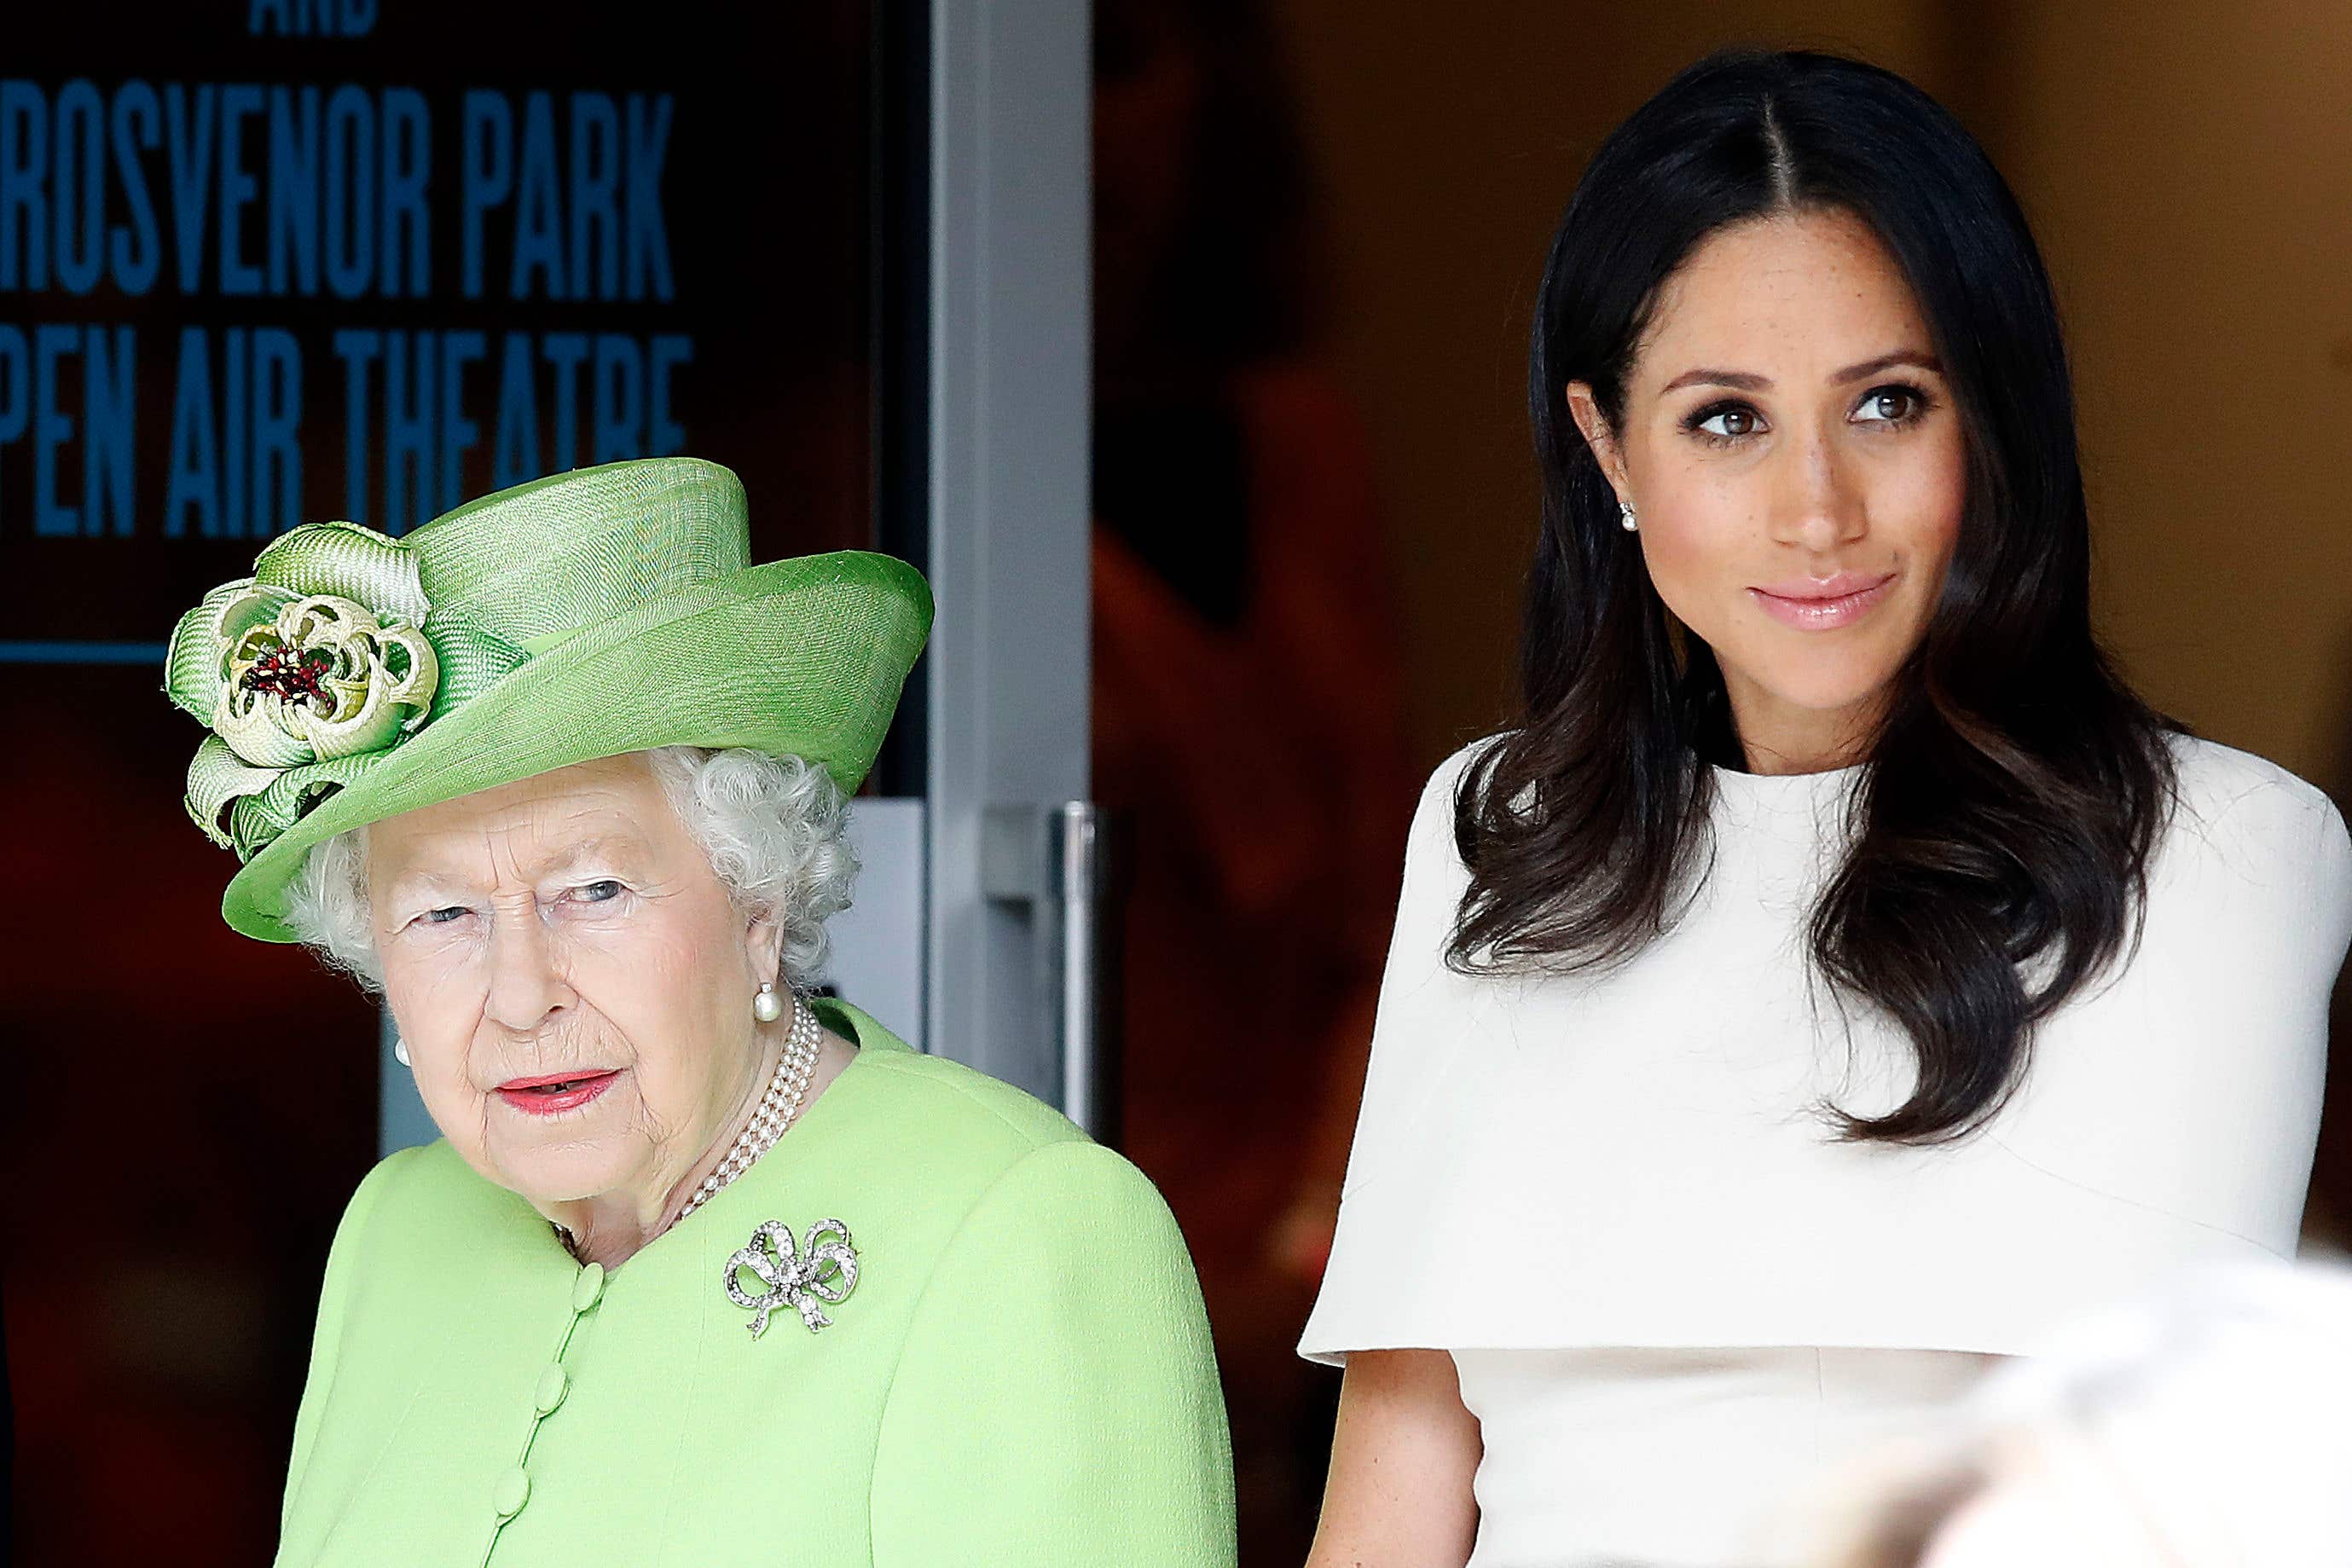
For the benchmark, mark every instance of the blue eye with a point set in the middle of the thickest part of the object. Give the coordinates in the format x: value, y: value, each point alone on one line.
x: 443, y: 916
x: 603, y: 891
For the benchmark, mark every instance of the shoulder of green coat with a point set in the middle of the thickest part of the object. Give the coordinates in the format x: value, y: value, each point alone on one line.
x: 1083, y: 1181
x: 431, y: 1177
x: 1072, y: 1216
x: 424, y: 1212
x: 969, y: 1109
x: 967, y: 1117
x: 395, y: 1182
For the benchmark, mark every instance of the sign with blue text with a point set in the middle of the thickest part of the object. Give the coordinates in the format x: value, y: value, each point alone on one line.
x: 268, y: 261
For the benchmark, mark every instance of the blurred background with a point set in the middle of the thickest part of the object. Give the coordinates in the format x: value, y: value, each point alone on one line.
x: 1187, y: 358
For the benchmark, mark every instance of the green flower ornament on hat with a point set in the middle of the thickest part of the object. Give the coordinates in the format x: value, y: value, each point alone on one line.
x: 354, y: 676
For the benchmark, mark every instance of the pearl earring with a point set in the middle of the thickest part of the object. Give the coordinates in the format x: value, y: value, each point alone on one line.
x: 1625, y: 516
x: 767, y: 1007
x: 400, y: 1051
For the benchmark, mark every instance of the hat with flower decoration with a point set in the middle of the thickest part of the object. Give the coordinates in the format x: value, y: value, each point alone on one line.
x: 354, y: 676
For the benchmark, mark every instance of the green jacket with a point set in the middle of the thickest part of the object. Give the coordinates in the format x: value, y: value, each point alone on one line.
x: 1021, y: 1376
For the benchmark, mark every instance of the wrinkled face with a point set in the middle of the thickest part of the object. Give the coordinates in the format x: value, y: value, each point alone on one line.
x: 572, y: 982
x: 1798, y: 468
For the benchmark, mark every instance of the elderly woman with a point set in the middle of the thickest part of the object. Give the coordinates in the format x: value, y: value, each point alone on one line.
x: 699, y: 1272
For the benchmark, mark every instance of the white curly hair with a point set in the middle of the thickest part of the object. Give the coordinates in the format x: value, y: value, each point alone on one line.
x: 775, y: 829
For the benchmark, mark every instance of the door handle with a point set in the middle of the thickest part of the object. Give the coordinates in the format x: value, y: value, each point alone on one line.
x: 1059, y: 860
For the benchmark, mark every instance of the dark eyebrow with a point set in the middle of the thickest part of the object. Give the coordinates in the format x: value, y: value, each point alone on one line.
x: 1745, y: 381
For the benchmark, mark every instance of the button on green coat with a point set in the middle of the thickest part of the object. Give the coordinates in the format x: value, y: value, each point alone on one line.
x: 1021, y: 1376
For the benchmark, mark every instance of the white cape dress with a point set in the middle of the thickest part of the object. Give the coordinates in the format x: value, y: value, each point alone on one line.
x: 1636, y: 1163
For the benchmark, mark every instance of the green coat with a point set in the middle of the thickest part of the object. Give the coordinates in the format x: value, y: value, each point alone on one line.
x: 1021, y: 1376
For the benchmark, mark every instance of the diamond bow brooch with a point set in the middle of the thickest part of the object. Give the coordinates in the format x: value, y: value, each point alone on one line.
x: 822, y: 1269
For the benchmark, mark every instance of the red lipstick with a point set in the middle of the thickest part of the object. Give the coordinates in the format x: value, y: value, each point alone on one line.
x: 554, y: 1092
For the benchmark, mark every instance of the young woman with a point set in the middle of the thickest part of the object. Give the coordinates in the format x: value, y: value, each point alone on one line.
x: 1839, y: 976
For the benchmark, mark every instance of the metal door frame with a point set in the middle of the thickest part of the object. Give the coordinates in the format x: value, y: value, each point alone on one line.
x: 1005, y: 699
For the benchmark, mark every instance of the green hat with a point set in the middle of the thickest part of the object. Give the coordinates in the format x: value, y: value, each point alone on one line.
x: 354, y: 676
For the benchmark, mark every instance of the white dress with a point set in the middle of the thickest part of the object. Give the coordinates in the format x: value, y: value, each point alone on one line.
x: 1672, y: 1297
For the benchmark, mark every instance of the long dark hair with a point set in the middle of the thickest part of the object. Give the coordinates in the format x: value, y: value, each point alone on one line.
x: 2001, y: 833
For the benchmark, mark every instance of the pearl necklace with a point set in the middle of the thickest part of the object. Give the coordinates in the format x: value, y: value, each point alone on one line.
x: 778, y: 1107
